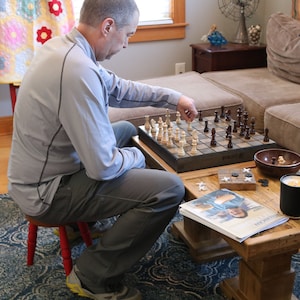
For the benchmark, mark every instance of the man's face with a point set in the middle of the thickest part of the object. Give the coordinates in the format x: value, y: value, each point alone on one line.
x: 236, y: 212
x: 117, y: 39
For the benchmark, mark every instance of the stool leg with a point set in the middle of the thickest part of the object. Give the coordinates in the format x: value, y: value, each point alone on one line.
x: 65, y: 250
x: 85, y: 233
x: 31, y: 243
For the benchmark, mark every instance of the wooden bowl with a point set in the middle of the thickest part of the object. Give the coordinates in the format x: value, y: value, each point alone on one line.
x: 277, y: 162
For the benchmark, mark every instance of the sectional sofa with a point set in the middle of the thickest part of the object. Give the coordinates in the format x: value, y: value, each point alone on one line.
x: 271, y: 94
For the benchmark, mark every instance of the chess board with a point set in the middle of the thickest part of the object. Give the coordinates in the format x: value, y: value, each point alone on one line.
x: 205, y: 156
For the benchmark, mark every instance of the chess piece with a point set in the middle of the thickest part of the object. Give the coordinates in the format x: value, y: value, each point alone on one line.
x: 252, y: 126
x: 177, y: 136
x: 228, y: 131
x: 181, y: 151
x: 147, y: 123
x: 200, y: 116
x: 170, y: 143
x: 194, y: 147
x: 183, y: 137
x: 247, y: 133
x: 230, y: 146
x: 213, y: 142
x: 160, y: 130
x: 165, y: 138
x: 222, y: 115
x: 153, y: 126
x: 228, y: 115
x: 216, y: 120
x: 195, y: 135
x: 266, y: 137
x: 189, y: 128
x: 206, y: 129
x: 178, y: 118
x: 168, y: 118
x: 234, y: 126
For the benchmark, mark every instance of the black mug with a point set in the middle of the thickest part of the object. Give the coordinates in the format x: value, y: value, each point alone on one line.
x: 290, y: 195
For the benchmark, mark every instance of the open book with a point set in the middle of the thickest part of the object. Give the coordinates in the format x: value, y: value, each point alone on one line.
x: 231, y: 214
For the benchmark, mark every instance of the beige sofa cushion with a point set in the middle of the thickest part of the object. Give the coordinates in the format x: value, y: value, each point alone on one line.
x: 208, y: 97
x: 283, y: 46
x: 258, y: 88
x: 283, y: 122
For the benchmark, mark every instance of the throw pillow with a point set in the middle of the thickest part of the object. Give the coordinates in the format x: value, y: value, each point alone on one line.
x: 283, y: 46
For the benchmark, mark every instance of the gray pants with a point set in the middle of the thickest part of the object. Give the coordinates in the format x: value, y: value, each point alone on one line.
x: 145, y: 200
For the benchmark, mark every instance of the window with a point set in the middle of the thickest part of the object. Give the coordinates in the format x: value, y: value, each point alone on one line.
x: 159, y: 19
x: 154, y: 12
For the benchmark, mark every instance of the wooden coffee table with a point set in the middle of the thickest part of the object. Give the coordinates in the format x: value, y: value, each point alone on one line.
x: 265, y: 266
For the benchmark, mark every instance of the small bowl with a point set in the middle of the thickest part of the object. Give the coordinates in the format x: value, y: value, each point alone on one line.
x: 277, y: 162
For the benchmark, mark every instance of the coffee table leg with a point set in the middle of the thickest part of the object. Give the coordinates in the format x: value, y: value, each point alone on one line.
x: 260, y: 279
x: 204, y: 244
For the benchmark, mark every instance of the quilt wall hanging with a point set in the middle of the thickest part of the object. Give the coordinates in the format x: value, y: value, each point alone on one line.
x: 25, y: 25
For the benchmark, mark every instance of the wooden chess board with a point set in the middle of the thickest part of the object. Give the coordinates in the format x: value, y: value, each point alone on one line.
x: 205, y: 156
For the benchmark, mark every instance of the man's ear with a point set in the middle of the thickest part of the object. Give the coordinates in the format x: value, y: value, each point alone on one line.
x: 107, y: 25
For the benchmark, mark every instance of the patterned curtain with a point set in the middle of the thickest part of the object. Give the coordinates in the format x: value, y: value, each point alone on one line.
x: 24, y: 26
x: 296, y: 9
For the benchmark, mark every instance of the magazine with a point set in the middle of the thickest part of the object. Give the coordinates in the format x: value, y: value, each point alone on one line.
x: 231, y: 214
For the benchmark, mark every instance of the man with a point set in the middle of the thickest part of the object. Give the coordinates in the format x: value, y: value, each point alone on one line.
x: 69, y: 163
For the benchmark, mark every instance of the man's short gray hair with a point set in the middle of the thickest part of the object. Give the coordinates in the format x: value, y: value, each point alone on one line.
x: 94, y: 12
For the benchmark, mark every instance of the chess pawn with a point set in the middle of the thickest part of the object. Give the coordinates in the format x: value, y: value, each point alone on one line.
x: 213, y: 142
x: 165, y: 139
x: 178, y: 118
x: 177, y: 134
x: 168, y: 118
x: 147, y: 123
x: 200, y: 116
x: 206, y: 129
x: 183, y: 139
x: 160, y: 131
x: 189, y: 128
x: 195, y: 135
x: 170, y: 143
x: 194, y: 147
x: 181, y: 151
x: 153, y: 126
x: 266, y: 137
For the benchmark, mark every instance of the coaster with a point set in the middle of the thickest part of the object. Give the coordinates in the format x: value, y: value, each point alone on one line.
x: 237, y: 179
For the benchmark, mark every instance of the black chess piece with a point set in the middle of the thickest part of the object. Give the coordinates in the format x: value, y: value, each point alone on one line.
x: 216, y: 120
x: 247, y: 133
x: 229, y: 146
x: 206, y: 129
x: 266, y: 137
x: 252, y: 126
x: 213, y: 138
x: 234, y: 126
x: 200, y: 116
x: 222, y: 115
x: 228, y: 115
x: 228, y: 131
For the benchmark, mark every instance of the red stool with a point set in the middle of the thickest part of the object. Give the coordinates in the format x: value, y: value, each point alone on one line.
x: 64, y: 242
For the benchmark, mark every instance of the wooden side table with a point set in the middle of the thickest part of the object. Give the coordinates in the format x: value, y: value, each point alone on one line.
x: 231, y: 56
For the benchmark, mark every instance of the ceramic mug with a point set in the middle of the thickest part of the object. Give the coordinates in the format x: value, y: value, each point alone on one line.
x: 290, y: 195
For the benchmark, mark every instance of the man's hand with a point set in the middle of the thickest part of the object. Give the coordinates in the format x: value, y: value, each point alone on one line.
x: 186, y: 107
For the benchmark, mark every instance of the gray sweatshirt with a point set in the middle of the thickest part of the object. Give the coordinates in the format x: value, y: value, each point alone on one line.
x: 61, y: 122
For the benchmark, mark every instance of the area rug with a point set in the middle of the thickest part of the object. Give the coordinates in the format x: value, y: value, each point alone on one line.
x: 166, y: 272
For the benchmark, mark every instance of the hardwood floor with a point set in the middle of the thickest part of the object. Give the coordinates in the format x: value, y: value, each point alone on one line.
x: 5, y: 141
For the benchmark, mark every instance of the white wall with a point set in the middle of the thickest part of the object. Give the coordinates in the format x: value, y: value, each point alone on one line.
x: 146, y: 60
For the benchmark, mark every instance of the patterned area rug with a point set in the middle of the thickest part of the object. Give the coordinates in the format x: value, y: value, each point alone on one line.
x: 167, y: 271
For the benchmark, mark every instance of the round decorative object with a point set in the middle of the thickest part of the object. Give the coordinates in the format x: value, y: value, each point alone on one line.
x: 254, y: 32
x: 277, y: 162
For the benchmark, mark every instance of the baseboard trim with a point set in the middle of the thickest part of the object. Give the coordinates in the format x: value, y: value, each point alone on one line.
x: 6, y: 125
